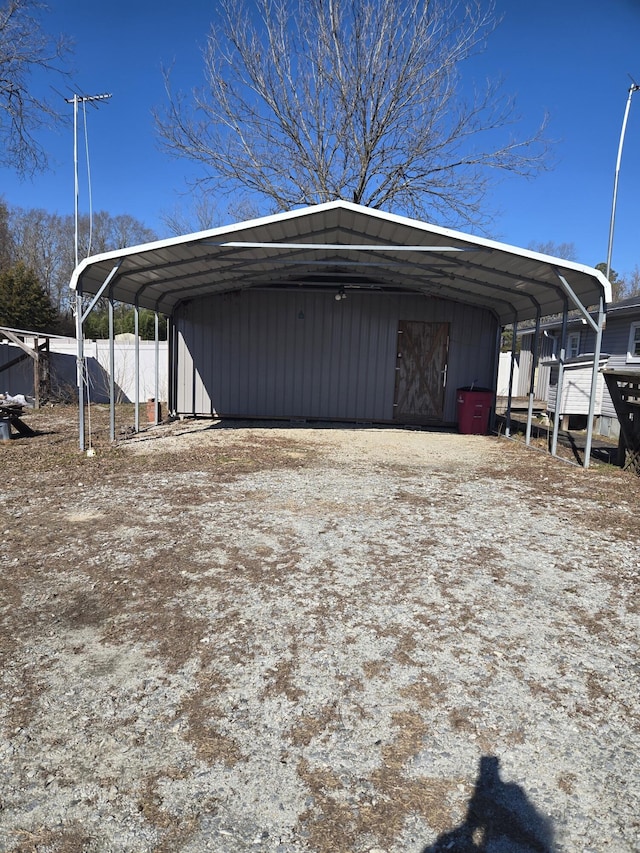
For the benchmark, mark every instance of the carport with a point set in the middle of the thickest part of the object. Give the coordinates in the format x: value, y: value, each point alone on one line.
x: 340, y: 250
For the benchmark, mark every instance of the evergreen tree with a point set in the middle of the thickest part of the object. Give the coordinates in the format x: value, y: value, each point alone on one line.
x: 24, y: 304
x: 618, y: 285
x: 97, y: 323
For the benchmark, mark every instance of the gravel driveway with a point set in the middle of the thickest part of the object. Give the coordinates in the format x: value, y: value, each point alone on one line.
x: 315, y: 639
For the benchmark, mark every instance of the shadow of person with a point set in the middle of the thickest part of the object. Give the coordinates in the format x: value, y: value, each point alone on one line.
x: 499, y: 819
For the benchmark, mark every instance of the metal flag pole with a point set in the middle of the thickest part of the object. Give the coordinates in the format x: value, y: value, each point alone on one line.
x: 78, y: 305
x: 633, y: 88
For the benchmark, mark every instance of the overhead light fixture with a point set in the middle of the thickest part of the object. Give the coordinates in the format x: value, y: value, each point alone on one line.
x: 340, y: 295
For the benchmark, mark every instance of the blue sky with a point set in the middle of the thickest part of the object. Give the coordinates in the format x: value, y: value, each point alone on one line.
x: 570, y: 58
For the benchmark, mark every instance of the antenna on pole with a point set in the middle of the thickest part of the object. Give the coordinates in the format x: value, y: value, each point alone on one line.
x: 75, y: 100
x: 79, y: 99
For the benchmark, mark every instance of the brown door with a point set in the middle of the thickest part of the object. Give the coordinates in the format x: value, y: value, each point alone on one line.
x: 421, y: 371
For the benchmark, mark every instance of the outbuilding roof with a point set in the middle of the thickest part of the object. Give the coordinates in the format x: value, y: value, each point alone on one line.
x: 340, y: 244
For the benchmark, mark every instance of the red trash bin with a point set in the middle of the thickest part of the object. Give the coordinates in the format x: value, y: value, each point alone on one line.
x: 474, y: 408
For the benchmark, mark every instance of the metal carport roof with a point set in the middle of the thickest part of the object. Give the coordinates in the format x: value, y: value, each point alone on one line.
x: 341, y: 242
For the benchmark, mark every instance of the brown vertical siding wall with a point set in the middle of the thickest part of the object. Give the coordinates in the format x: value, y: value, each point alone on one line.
x: 303, y: 354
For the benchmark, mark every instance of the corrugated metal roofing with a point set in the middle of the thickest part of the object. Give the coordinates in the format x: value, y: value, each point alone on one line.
x: 340, y: 243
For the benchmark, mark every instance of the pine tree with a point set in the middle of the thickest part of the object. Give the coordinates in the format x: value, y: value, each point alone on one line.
x: 24, y: 304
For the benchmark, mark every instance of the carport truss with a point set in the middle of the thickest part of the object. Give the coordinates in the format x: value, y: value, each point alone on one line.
x: 353, y: 247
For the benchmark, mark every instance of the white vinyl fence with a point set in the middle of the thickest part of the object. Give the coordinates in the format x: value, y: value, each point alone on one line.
x: 62, y: 369
x: 504, y: 370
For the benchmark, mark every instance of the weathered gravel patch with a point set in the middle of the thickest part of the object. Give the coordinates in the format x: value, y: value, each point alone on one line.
x: 315, y: 640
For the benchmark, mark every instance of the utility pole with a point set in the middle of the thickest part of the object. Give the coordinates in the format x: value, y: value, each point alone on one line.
x: 632, y: 88
x: 77, y: 99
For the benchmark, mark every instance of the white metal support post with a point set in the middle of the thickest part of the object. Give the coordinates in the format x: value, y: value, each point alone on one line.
x: 594, y: 383
x: 532, y: 381
x: 80, y: 366
x: 507, y: 427
x: 561, y: 360
x: 136, y: 331
x: 494, y: 408
x: 597, y: 326
x: 112, y: 367
x: 157, y: 360
x: 172, y: 346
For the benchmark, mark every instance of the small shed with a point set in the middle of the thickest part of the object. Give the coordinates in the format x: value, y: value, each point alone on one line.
x: 335, y: 312
x: 620, y: 351
x: 576, y: 390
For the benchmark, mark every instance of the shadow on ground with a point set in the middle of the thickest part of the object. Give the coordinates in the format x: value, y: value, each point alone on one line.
x: 500, y: 819
x: 602, y: 449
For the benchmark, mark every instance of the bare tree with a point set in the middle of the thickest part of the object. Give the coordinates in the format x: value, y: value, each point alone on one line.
x: 5, y: 236
x: 112, y: 232
x: 632, y: 282
x: 39, y: 241
x: 44, y: 242
x: 625, y: 286
x: 199, y: 215
x: 567, y: 251
x: 312, y: 100
x: 24, y: 50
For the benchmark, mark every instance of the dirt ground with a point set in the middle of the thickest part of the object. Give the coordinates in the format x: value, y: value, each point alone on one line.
x: 234, y: 637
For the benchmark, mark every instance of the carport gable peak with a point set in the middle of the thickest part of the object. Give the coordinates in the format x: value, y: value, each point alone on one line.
x: 394, y: 251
